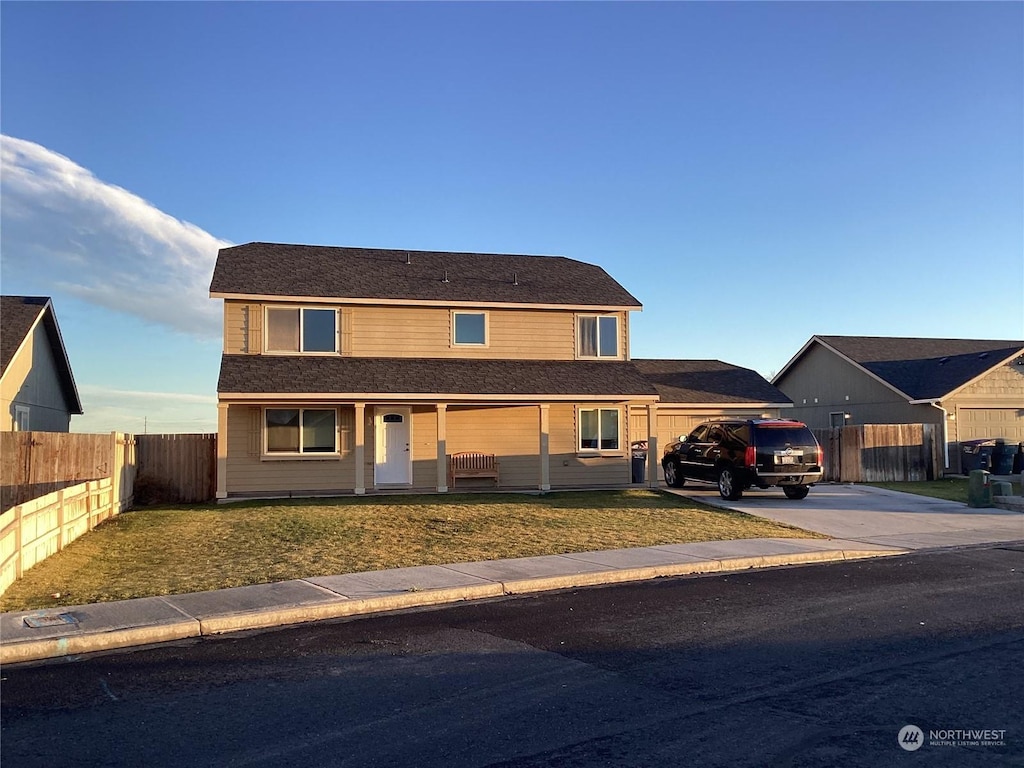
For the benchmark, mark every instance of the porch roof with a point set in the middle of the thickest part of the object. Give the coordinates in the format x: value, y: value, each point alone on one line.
x: 375, y: 376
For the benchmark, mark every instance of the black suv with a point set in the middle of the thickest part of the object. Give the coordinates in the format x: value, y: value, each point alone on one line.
x: 741, y: 454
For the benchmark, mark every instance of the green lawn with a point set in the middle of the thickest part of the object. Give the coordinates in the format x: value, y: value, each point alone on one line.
x: 949, y: 488
x: 192, y: 548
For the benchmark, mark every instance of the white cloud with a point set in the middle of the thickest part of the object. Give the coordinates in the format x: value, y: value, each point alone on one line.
x: 102, y: 243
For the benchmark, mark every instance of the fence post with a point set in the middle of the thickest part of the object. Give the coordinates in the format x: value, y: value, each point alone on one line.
x: 18, y: 538
x: 60, y: 519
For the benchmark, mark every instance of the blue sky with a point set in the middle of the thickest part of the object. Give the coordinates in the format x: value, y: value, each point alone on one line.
x: 754, y: 173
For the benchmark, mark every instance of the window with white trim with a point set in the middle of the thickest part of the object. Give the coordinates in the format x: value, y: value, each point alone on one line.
x: 469, y: 329
x: 21, y: 421
x: 600, y: 429
x: 300, y: 431
x: 597, y: 336
x: 302, y: 330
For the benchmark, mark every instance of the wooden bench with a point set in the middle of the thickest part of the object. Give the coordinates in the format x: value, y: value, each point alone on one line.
x: 471, y: 465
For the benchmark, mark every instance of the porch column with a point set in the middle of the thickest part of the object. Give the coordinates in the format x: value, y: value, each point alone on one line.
x: 442, y: 448
x: 222, y: 450
x: 360, y: 449
x: 652, y: 445
x: 545, y: 463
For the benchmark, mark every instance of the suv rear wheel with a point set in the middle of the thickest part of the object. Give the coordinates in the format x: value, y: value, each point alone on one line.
x: 673, y: 477
x: 729, y: 487
x: 795, y: 491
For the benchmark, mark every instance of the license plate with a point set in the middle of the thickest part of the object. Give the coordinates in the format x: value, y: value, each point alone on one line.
x: 785, y: 459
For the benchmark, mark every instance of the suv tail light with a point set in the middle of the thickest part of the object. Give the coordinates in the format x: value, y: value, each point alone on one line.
x: 821, y: 456
x: 750, y: 456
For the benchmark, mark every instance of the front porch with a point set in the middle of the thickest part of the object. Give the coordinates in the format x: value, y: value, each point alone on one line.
x: 387, y: 447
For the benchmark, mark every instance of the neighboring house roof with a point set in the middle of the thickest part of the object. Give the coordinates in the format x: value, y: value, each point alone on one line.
x: 427, y: 277
x: 708, y: 382
x: 19, y: 316
x: 374, y: 376
x: 919, y: 369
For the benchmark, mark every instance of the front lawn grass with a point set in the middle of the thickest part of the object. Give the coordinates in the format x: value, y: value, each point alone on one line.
x: 151, y: 552
x: 948, y: 488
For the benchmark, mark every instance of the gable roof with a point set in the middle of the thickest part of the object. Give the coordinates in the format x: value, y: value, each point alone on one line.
x: 918, y: 369
x: 708, y: 382
x: 19, y: 316
x: 409, y: 376
x: 313, y: 271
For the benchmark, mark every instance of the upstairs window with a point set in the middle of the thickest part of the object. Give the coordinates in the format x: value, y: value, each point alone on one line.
x: 302, y: 329
x: 469, y: 328
x: 598, y: 336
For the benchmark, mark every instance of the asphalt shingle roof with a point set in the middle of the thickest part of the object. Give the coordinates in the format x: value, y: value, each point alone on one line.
x: 707, y: 381
x: 256, y: 374
x: 270, y: 269
x: 17, y: 315
x: 924, y: 369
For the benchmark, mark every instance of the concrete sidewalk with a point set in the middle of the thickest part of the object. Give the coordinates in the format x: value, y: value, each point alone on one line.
x: 69, y: 631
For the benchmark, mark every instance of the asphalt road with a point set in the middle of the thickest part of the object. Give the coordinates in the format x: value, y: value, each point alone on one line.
x: 804, y: 666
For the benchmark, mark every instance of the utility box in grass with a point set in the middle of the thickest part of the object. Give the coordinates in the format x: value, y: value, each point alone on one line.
x: 979, y: 489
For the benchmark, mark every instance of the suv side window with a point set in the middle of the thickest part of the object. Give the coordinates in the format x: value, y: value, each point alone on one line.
x: 739, y: 435
x: 717, y: 434
x: 697, y: 436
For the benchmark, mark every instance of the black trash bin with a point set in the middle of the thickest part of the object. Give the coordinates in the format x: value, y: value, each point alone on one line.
x: 1018, y: 459
x: 976, y: 454
x: 639, y: 457
x: 1002, y: 458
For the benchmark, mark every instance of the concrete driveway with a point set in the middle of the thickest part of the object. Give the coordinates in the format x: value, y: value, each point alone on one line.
x: 873, y: 515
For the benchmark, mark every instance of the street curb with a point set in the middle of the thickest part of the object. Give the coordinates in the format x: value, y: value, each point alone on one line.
x: 105, y: 640
x: 276, y: 617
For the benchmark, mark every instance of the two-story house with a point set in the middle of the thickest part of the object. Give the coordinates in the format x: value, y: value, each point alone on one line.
x: 353, y: 369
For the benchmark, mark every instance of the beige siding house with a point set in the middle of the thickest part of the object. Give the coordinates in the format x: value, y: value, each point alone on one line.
x: 37, y: 387
x: 348, y: 370
x: 973, y: 389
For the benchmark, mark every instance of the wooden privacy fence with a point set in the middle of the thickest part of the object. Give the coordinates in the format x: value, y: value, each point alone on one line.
x: 33, y: 464
x: 176, y: 468
x: 31, y: 532
x: 878, y: 453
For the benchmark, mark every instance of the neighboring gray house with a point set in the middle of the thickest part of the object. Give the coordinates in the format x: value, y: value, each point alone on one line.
x: 692, y: 391
x: 972, y: 388
x: 37, y: 388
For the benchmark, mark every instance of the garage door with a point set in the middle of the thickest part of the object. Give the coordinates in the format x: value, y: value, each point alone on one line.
x: 982, y: 423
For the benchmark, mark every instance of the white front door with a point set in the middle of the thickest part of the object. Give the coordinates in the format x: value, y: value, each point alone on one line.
x: 393, y: 455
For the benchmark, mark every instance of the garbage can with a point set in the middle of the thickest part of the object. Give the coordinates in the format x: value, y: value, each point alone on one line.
x: 976, y: 454
x: 1002, y: 458
x: 639, y: 458
x: 1018, y: 459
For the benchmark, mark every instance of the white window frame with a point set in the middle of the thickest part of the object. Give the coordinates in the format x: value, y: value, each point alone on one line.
x: 580, y: 410
x: 21, y: 418
x: 597, y: 321
x: 267, y: 309
x: 472, y: 344
x: 269, y: 455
